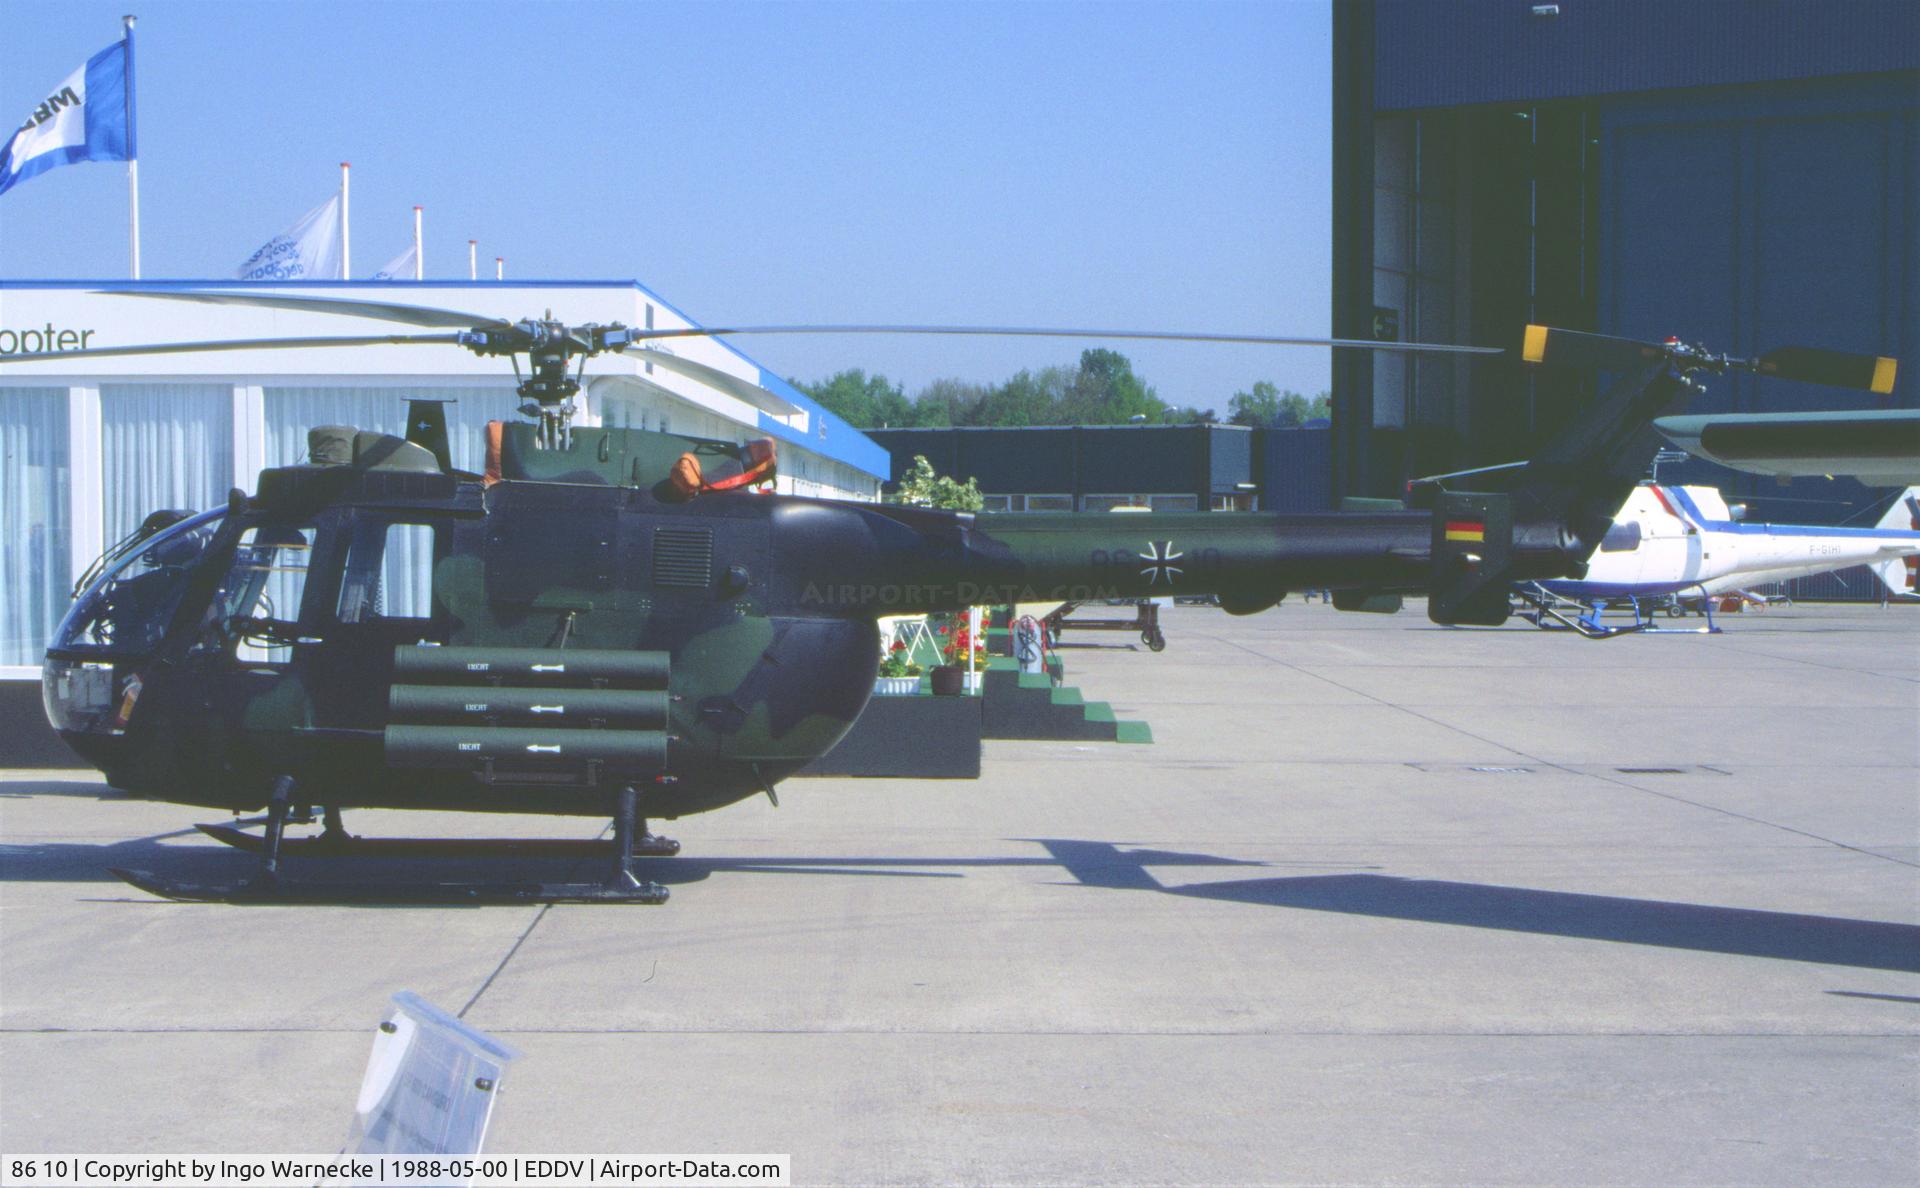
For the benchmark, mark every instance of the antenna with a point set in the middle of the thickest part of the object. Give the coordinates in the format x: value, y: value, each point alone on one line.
x: 1665, y: 457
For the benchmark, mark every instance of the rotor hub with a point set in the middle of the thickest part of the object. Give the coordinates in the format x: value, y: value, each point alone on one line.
x: 548, y: 387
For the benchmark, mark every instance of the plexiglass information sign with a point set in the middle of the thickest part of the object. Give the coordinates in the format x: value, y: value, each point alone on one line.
x: 430, y: 1085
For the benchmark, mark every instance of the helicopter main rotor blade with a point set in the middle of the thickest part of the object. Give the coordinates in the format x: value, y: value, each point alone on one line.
x: 450, y: 318
x: 732, y: 385
x: 1841, y: 369
x: 1554, y: 347
x: 245, y: 344
x: 1551, y: 346
x: 412, y: 315
x: 1038, y: 332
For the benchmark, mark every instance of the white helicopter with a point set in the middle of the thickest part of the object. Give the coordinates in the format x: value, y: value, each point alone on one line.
x: 1675, y: 541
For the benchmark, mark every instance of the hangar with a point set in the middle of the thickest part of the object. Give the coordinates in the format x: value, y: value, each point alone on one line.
x: 92, y: 446
x: 1744, y: 176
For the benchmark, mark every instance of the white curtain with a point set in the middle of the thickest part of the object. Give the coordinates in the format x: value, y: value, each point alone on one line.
x: 405, y: 579
x: 34, y: 520
x: 163, y: 445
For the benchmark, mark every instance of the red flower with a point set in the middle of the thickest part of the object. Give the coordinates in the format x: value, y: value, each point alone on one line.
x: 960, y: 647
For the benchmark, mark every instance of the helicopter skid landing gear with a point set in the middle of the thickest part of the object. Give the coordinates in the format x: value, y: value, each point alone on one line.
x: 267, y: 886
x: 645, y: 845
x: 652, y: 845
x: 626, y: 815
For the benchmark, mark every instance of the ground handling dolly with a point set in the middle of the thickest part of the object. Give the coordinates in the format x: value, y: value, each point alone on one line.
x: 1146, y: 621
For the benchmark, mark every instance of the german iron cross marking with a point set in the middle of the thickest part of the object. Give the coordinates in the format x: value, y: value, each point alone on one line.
x: 1161, y: 560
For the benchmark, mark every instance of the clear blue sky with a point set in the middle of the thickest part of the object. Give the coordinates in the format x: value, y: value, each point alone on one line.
x: 1154, y: 165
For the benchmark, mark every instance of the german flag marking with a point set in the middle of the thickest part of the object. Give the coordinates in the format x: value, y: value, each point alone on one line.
x: 1466, y: 530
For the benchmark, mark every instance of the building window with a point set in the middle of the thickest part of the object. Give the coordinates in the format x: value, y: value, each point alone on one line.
x: 1240, y: 502
x: 1100, y: 503
x: 1048, y: 503
x: 997, y: 503
x: 34, y: 520
x: 1162, y: 503
x: 164, y: 446
x: 1533, y: 176
x: 620, y: 413
x: 1413, y: 273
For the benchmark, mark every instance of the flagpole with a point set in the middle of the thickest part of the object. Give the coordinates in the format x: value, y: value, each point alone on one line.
x: 419, y: 266
x: 133, y: 164
x: 345, y: 245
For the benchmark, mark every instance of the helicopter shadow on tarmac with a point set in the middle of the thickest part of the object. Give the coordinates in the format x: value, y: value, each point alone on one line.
x: 79, y: 862
x: 91, y: 789
x: 549, y: 860
x: 1745, y: 932
x: 1790, y: 936
x: 87, y: 862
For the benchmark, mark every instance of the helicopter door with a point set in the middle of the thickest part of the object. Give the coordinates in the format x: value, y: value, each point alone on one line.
x: 198, y: 714
x: 384, y: 598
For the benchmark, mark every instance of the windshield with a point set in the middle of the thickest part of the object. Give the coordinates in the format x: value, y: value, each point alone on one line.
x: 126, y: 609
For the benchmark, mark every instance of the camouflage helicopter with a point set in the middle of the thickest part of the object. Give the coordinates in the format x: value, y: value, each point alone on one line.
x: 618, y: 625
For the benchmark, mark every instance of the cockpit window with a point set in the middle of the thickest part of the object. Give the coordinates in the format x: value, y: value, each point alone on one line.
x: 388, y: 574
x: 126, y: 607
x: 1621, y: 538
x: 259, y: 602
x: 267, y: 578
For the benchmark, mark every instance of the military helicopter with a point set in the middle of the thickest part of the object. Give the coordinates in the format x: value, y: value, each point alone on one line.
x: 619, y: 625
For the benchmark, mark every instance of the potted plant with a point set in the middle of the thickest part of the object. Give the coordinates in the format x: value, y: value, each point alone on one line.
x: 964, y: 662
x: 899, y: 676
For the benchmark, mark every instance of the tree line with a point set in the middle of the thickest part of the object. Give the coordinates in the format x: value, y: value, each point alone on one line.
x: 1101, y: 390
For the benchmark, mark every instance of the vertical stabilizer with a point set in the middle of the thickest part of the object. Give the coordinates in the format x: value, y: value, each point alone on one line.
x: 1472, y: 552
x: 1902, y: 574
x: 427, y: 427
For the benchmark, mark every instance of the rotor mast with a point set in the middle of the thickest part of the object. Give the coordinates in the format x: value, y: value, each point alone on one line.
x: 551, y: 381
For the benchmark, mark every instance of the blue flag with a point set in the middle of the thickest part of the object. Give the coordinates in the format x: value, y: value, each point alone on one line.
x: 88, y: 117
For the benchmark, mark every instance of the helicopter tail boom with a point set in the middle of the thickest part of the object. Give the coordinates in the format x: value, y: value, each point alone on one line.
x: 885, y: 560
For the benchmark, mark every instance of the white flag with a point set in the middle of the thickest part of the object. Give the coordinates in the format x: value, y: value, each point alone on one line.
x: 399, y: 268
x: 308, y: 250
